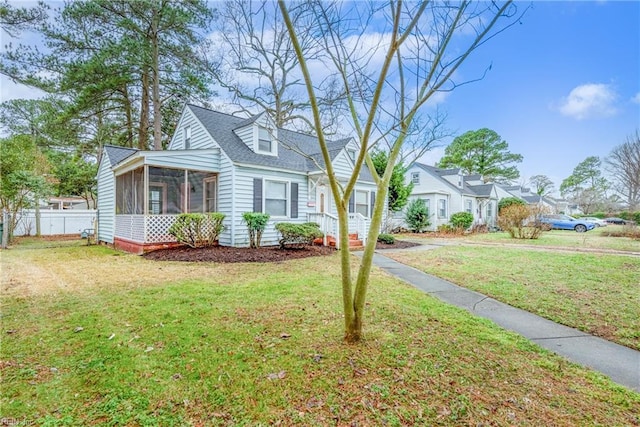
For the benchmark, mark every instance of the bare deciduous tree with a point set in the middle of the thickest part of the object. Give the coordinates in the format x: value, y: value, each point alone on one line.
x: 542, y: 185
x: 391, y: 59
x: 623, y: 164
x: 251, y: 57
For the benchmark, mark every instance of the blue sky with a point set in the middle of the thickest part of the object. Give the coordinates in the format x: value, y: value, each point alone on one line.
x: 564, y: 85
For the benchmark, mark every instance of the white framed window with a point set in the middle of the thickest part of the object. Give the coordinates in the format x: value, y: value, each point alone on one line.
x: 362, y: 203
x: 187, y: 137
x: 352, y: 155
x: 489, y: 210
x: 427, y: 203
x: 469, y: 207
x: 442, y: 208
x: 415, y: 177
x: 276, y: 198
x: 265, y: 144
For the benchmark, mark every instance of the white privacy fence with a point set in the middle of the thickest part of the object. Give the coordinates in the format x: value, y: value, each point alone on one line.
x: 54, y: 222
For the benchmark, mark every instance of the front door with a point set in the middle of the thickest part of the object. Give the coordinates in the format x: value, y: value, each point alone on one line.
x: 322, y: 199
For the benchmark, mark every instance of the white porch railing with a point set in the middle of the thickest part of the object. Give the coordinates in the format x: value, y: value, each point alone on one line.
x: 330, y: 227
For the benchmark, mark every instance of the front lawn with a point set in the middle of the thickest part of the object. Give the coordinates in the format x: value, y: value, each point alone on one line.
x: 596, y: 293
x: 97, y: 337
x: 593, y: 239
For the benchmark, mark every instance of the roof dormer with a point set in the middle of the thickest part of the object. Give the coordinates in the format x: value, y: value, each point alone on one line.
x: 260, y: 134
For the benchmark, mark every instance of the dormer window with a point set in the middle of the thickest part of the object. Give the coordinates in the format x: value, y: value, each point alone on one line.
x: 265, y: 144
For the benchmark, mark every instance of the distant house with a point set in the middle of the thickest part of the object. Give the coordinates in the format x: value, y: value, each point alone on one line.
x: 547, y: 202
x: 217, y: 162
x: 447, y: 191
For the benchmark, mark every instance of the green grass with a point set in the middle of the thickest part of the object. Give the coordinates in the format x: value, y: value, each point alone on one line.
x: 260, y: 344
x: 594, y: 239
x: 596, y: 293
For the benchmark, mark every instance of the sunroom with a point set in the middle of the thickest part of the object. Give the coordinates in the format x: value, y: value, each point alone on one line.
x: 152, y: 189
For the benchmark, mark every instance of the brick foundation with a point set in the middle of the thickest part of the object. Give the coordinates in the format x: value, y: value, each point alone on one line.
x: 140, y: 248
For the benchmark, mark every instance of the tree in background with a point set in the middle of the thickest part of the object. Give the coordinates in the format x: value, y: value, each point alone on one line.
x: 623, y: 165
x: 586, y: 187
x: 508, y: 201
x: 22, y: 179
x: 119, y: 62
x: 542, y: 185
x: 398, y: 191
x: 251, y: 57
x: 482, y: 152
x: 401, y: 53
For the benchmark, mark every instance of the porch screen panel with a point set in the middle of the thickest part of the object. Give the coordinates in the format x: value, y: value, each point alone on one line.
x: 201, y: 197
x: 166, y: 187
x: 130, y: 193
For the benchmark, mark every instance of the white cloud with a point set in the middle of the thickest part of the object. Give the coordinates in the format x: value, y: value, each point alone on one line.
x: 636, y: 99
x: 589, y: 101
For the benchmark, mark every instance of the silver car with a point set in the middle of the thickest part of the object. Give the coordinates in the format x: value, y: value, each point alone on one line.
x: 597, y: 221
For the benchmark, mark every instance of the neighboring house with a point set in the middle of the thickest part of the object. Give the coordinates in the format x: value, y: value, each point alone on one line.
x: 549, y: 203
x: 447, y: 191
x: 216, y: 162
x: 66, y: 203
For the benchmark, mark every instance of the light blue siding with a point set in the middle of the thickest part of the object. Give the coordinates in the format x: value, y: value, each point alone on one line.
x: 203, y: 160
x: 247, y: 135
x: 226, y: 199
x: 200, y: 138
x: 243, y: 195
x: 106, y: 201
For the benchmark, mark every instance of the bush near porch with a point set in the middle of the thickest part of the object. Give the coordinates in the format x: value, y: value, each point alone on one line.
x: 197, y: 229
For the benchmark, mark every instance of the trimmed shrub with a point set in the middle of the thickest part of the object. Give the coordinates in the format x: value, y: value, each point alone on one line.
x: 298, y: 234
x: 386, y: 238
x: 196, y: 229
x: 417, y: 216
x: 256, y: 223
x: 462, y: 220
x: 519, y: 221
x: 509, y: 201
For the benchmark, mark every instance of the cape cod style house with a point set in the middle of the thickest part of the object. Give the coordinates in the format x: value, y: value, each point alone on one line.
x: 447, y: 191
x: 217, y: 162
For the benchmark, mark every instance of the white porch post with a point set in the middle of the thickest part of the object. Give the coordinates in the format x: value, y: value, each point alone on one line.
x: 145, y: 186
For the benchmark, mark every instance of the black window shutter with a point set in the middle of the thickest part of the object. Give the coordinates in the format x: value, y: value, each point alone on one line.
x: 373, y: 203
x: 257, y: 194
x: 352, y: 203
x: 294, y: 200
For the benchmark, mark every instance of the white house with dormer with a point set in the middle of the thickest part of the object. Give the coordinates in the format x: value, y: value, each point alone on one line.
x: 218, y: 162
x: 447, y: 191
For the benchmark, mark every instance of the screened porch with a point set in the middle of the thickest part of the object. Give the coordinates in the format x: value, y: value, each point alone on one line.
x: 149, y: 198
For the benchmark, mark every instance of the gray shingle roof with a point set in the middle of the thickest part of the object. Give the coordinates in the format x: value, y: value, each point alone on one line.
x: 483, y: 190
x: 118, y: 154
x: 291, y: 144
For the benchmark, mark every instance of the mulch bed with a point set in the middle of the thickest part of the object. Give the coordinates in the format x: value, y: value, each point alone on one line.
x: 266, y: 254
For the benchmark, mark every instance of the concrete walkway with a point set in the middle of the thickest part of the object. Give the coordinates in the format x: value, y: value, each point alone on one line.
x: 620, y: 363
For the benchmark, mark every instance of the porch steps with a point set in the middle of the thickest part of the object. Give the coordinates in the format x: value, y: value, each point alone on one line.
x: 354, y: 243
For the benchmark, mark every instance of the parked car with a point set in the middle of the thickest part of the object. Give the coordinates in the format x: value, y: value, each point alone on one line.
x: 615, y: 220
x: 597, y: 221
x: 565, y: 222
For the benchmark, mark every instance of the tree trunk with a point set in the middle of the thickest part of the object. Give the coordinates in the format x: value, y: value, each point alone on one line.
x: 143, y: 133
x: 128, y: 115
x: 155, y: 69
